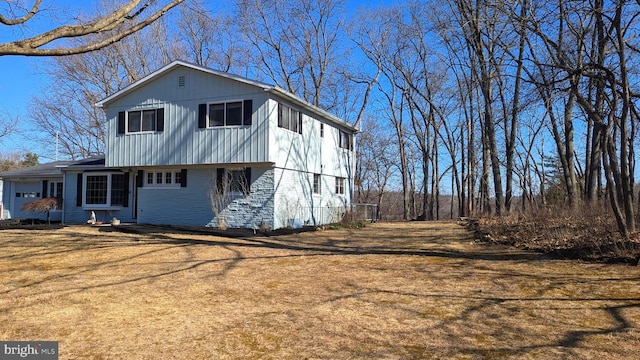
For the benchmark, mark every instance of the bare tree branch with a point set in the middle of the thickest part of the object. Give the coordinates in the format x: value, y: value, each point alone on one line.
x: 129, y: 12
x: 21, y: 20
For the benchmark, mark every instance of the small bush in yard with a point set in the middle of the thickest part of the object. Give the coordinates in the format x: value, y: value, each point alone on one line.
x: 40, y: 206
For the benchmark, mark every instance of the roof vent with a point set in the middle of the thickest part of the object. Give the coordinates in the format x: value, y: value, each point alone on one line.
x: 181, y: 80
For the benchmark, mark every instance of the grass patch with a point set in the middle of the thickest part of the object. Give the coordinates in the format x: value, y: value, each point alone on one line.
x: 390, y: 290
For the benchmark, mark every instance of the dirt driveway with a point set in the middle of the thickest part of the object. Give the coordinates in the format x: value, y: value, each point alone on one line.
x: 388, y: 291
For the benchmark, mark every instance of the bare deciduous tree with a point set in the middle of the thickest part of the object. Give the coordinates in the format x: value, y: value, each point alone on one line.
x: 210, y: 38
x: 66, y: 111
x: 376, y: 164
x: 8, y: 124
x: 596, y: 76
x: 301, y: 47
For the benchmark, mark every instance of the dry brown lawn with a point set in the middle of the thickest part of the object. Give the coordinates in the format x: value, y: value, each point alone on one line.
x: 388, y: 291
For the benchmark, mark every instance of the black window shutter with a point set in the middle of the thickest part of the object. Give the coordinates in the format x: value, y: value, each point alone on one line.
x: 121, y: 121
x: 183, y: 178
x: 248, y: 111
x: 247, y: 180
x: 160, y: 119
x: 125, y: 202
x: 220, y: 181
x: 79, y: 190
x: 202, y: 116
x: 45, y: 185
x: 140, y: 178
x: 299, y: 123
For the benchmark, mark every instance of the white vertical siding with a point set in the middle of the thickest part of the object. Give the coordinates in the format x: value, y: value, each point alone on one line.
x: 295, y: 202
x: 309, y: 152
x: 297, y: 158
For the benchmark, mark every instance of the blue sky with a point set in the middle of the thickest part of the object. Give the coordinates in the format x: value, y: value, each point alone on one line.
x: 20, y: 78
x: 19, y: 81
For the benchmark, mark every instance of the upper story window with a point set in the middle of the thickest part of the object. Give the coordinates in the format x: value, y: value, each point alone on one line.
x: 230, y: 113
x: 289, y: 118
x: 135, y: 121
x: 225, y: 114
x: 321, y: 130
x: 345, y: 140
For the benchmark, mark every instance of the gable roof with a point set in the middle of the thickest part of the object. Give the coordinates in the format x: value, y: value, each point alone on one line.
x: 52, y: 169
x: 273, y: 89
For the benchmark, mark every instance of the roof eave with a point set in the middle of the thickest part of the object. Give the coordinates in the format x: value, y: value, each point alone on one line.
x: 308, y: 106
x: 171, y: 66
x: 31, y: 176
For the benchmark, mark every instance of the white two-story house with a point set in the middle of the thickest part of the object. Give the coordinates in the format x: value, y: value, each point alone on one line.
x: 188, y: 145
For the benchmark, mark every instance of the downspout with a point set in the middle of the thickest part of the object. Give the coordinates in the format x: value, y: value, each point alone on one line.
x: 353, y: 173
x: 64, y: 192
x: 354, y: 154
x: 12, y: 199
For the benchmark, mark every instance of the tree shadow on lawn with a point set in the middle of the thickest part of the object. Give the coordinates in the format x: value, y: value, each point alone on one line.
x: 285, y: 239
x: 474, y: 257
x: 493, y: 326
x: 484, y: 313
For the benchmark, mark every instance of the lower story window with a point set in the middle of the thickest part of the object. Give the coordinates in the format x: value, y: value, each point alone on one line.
x: 56, y: 191
x: 340, y: 185
x: 164, y: 178
x: 104, y: 189
x: 96, y: 189
x: 234, y: 181
x: 316, y: 183
x: 117, y: 189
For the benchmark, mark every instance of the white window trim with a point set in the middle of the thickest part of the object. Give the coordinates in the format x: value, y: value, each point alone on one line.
x: 299, y: 123
x: 343, y: 180
x: 313, y: 181
x: 126, y: 124
x: 345, y: 136
x: 106, y: 206
x: 241, y: 101
x: 164, y: 185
